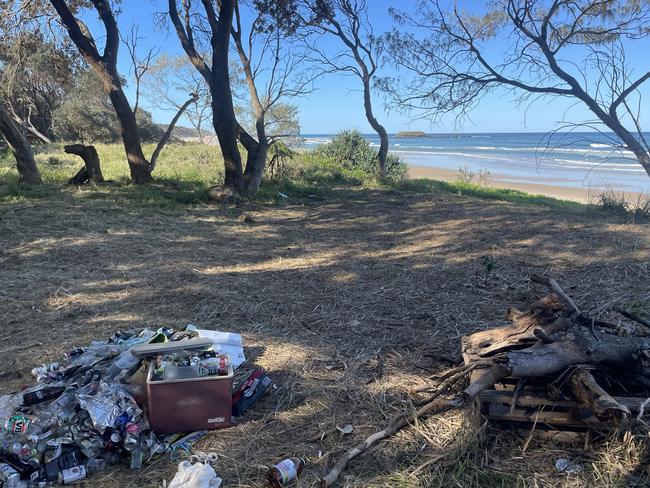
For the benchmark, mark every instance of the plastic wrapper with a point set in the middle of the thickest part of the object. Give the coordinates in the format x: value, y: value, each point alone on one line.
x: 8, y: 404
x: 107, y: 405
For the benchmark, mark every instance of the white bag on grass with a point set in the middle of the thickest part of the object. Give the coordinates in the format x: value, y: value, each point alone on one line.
x: 197, y: 475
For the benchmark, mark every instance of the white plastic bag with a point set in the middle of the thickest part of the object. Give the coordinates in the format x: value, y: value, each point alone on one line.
x: 197, y: 475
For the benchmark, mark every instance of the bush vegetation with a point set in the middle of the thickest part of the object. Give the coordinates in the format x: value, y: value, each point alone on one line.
x: 352, y: 151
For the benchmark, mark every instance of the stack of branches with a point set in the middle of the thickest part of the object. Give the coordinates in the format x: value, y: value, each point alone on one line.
x: 574, y: 358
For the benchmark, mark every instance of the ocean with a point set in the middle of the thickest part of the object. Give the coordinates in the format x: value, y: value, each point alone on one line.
x: 576, y: 160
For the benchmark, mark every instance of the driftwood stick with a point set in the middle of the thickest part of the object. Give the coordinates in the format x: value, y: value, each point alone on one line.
x: 517, y: 393
x: 398, y: 423
x: 448, y: 383
x: 450, y: 372
x: 587, y: 390
x: 489, y: 378
x: 389, y: 430
x: 553, y: 285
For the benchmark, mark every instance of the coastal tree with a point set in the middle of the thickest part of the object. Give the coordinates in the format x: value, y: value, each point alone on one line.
x: 11, y: 20
x: 105, y: 65
x: 273, y: 70
x: 86, y: 114
x: 214, y: 68
x: 167, y: 85
x: 266, y: 37
x: 140, y: 64
x: 35, y: 75
x: 347, y: 21
x: 18, y: 146
x: 573, y: 49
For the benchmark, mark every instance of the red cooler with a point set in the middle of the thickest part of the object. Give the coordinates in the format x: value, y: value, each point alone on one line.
x: 186, y: 405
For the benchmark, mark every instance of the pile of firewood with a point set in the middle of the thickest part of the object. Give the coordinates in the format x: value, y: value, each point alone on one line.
x: 561, y: 368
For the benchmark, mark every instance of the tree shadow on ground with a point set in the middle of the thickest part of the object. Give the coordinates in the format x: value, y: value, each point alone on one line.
x: 347, y: 303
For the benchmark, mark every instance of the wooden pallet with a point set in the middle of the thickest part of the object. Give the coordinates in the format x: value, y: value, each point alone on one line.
x: 527, y: 404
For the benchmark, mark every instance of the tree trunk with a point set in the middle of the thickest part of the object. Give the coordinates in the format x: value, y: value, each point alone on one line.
x: 382, y: 156
x: 92, y: 171
x: 255, y: 165
x: 25, y: 162
x: 138, y: 164
x: 223, y: 110
x: 644, y: 159
x: 579, y: 346
x: 227, y: 136
x: 170, y: 129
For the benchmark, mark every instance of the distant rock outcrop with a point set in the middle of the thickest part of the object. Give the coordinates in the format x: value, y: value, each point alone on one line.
x: 410, y: 133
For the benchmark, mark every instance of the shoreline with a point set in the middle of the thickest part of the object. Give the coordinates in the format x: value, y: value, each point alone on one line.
x: 580, y: 195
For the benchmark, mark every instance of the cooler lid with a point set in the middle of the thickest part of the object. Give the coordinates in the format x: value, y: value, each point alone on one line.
x: 148, y: 350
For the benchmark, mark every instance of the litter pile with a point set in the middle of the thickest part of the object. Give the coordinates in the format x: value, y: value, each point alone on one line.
x: 122, y: 401
x: 559, y: 368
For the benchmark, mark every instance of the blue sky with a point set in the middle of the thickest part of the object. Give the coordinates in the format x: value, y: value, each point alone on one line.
x: 337, y: 101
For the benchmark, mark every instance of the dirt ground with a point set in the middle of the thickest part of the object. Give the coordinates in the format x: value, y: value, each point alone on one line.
x: 345, y: 302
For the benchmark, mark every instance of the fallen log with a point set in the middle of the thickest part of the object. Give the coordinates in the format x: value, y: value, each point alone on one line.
x: 575, y: 347
x: 542, y: 317
x: 559, y: 354
x: 587, y: 390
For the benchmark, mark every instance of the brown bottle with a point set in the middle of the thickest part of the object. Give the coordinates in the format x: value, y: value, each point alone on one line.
x: 285, y: 472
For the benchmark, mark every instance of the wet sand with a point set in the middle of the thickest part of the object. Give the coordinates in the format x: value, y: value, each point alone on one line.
x: 582, y: 195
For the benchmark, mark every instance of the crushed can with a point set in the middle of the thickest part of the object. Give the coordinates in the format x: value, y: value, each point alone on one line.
x: 9, y: 477
x: 72, y: 475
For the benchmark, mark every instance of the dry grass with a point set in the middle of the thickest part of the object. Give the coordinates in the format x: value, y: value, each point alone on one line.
x: 327, y: 295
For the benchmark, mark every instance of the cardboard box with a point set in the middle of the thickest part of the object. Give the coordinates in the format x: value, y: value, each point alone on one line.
x: 191, y: 404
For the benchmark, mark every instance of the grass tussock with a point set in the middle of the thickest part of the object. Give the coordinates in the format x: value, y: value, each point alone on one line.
x: 634, y: 206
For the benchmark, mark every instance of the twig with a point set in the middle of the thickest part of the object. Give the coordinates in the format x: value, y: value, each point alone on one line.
x: 389, y: 430
x: 632, y: 316
x: 553, y: 285
x: 450, y: 372
x: 515, y: 396
x: 397, y: 424
x: 322, y: 435
x: 428, y: 463
x: 642, y: 409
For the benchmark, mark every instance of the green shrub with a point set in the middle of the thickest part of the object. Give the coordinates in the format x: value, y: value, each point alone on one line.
x: 352, y: 151
x: 280, y: 157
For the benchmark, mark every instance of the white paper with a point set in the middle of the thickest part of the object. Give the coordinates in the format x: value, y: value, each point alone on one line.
x: 226, y: 343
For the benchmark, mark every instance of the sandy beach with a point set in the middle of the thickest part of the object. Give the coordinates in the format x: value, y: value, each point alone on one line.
x: 547, y: 188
